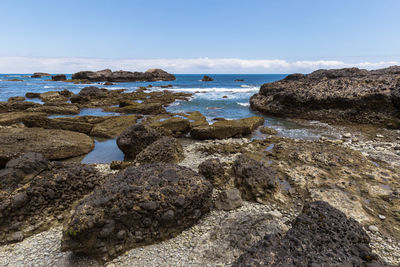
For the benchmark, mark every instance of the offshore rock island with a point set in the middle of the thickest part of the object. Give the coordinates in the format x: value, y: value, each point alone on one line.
x: 306, y: 172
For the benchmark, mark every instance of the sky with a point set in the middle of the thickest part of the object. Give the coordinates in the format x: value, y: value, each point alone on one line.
x: 208, y: 36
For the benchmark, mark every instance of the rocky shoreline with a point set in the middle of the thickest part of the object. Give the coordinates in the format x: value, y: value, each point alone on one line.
x: 192, y: 192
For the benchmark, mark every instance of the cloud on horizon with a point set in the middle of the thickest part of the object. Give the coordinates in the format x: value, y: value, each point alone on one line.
x: 194, y: 65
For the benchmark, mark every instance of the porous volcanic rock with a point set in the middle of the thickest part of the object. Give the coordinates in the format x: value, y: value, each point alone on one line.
x: 214, y: 171
x: 255, y: 181
x: 166, y: 149
x: 139, y: 206
x: 136, y: 138
x: 123, y: 76
x: 320, y: 236
x: 342, y: 95
x: 53, y: 144
x: 40, y: 193
x: 175, y: 126
x: 227, y: 128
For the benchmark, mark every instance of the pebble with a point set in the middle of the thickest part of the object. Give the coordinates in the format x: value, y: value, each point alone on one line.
x: 382, y: 217
x: 373, y: 228
x: 347, y: 135
x: 379, y: 136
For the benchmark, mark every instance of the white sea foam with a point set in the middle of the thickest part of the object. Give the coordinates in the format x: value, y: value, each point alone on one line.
x: 246, y: 86
x: 244, y: 104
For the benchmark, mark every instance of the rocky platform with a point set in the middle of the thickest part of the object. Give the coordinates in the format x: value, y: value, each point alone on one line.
x: 344, y: 95
x: 124, y: 76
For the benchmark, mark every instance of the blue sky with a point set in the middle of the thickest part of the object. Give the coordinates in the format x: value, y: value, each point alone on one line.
x: 198, y: 36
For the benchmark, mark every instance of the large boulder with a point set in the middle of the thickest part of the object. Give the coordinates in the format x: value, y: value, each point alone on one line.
x: 39, y: 193
x: 343, y: 95
x: 320, y: 236
x: 166, y: 149
x: 255, y: 181
x: 139, y: 206
x: 176, y: 126
x: 136, y: 138
x: 114, y: 126
x: 52, y: 96
x: 214, y: 171
x: 88, y: 94
x: 227, y: 128
x: 53, y: 144
x: 123, y: 76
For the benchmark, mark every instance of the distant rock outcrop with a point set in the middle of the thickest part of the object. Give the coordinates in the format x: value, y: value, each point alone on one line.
x: 40, y: 74
x: 123, y: 76
x: 207, y: 79
x: 340, y: 95
x: 59, y: 77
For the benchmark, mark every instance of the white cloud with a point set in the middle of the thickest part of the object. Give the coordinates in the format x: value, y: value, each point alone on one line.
x: 194, y: 65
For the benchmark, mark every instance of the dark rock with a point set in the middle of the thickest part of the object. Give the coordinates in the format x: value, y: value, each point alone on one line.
x: 207, y: 79
x: 214, y: 171
x: 228, y: 199
x: 175, y: 126
x: 320, y: 236
x: 49, y: 189
x: 239, y: 80
x: 59, y: 77
x: 255, y: 181
x: 136, y: 138
x: 113, y: 127
x: 52, y: 96
x: 66, y: 109
x: 139, y: 108
x: 16, y: 99
x: 10, y: 118
x: 22, y: 170
x: 40, y: 75
x: 89, y: 93
x: 269, y: 131
x: 123, y: 76
x: 166, y: 149
x: 341, y: 95
x: 53, y: 144
x: 136, y: 207
x: 120, y: 165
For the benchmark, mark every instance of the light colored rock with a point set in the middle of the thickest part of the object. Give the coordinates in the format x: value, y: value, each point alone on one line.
x: 373, y: 228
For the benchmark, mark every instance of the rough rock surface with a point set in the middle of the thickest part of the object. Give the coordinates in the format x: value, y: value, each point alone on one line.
x: 123, y: 76
x: 342, y: 95
x: 227, y: 128
x: 228, y: 199
x: 136, y: 138
x: 214, y: 171
x: 166, y: 149
x: 320, y: 236
x: 255, y: 181
x: 35, y: 192
x: 139, y: 108
x: 53, y: 144
x: 40, y: 74
x: 113, y: 127
x: 138, y: 206
x: 10, y: 118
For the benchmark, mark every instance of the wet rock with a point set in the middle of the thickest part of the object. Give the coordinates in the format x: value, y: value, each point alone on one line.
x: 47, y: 191
x: 227, y: 128
x: 214, y: 171
x: 255, y: 181
x: 40, y: 75
x: 343, y: 95
x: 53, y: 144
x: 59, y: 77
x: 148, y: 203
x: 166, y: 149
x: 136, y: 138
x: 123, y: 76
x: 320, y: 236
x: 228, y: 199
x: 113, y: 127
x: 207, y: 79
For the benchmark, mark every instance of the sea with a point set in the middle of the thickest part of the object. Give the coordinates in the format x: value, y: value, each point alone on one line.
x: 222, y: 98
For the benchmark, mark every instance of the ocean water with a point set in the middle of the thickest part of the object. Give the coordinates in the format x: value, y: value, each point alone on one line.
x: 223, y: 97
